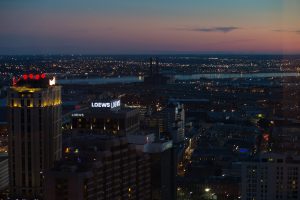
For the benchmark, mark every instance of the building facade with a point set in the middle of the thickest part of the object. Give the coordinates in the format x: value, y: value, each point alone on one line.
x: 163, y: 161
x: 3, y: 171
x: 106, y: 117
x: 34, y: 103
x: 271, y: 177
x: 100, y: 167
x: 169, y: 122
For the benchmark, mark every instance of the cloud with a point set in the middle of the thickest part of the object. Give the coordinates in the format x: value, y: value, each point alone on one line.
x: 286, y: 31
x: 278, y: 30
x: 218, y: 29
x: 222, y: 29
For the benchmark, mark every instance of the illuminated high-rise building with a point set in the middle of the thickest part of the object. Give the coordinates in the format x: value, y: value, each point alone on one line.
x: 106, y: 117
x: 34, y: 103
x: 170, y: 122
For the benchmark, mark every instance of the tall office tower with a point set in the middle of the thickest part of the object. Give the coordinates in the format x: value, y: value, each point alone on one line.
x: 271, y: 177
x: 176, y: 121
x: 34, y: 103
x: 99, y: 167
x: 155, y: 77
x: 170, y: 121
x: 163, y: 160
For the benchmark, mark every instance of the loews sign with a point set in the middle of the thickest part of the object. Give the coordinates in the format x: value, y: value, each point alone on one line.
x: 111, y: 105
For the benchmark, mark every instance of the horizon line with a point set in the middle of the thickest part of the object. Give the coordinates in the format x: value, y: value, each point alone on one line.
x: 156, y: 54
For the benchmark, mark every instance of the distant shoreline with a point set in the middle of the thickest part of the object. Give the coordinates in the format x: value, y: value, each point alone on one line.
x: 136, y: 79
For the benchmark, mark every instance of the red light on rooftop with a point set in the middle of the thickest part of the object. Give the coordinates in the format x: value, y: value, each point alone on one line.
x: 266, y: 137
x: 77, y: 107
x: 37, y: 77
x: 25, y: 76
x: 31, y: 76
x: 43, y: 76
x: 14, y: 81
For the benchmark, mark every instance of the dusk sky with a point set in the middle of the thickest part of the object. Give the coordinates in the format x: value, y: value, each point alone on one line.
x: 153, y: 26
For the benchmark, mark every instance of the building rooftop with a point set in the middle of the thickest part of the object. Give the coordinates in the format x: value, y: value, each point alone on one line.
x: 278, y: 158
x: 33, y: 81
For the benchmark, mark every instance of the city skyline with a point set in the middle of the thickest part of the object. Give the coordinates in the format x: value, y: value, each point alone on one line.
x: 156, y: 27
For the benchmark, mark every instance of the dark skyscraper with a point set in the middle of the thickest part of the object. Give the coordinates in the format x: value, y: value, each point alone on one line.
x: 155, y: 77
x: 34, y: 103
x: 100, y: 167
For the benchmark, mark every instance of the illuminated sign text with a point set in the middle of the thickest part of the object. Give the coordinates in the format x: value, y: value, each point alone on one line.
x: 112, y: 104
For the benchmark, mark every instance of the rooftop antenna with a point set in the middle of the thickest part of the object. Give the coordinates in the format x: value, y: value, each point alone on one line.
x: 157, y: 66
x: 151, y: 66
